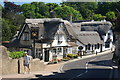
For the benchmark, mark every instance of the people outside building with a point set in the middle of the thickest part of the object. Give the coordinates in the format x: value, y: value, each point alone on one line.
x: 26, y: 63
x: 80, y: 53
x: 54, y: 58
x: 96, y: 52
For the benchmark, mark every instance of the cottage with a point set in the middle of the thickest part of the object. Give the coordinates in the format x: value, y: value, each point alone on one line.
x: 90, y: 41
x: 51, y: 38
x: 44, y: 38
x: 104, y: 30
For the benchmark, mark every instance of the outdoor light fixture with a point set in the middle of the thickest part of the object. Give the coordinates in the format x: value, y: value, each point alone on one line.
x: 34, y: 34
x: 34, y: 37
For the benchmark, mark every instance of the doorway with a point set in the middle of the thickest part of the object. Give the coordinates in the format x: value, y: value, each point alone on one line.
x: 46, y: 57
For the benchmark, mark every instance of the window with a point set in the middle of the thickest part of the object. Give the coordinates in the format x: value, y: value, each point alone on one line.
x: 95, y: 46
x: 98, y: 46
x: 26, y: 36
x: 54, y: 50
x: 89, y: 46
x: 59, y: 38
x: 107, y: 44
x: 85, y: 47
x: 59, y: 50
x: 92, y: 47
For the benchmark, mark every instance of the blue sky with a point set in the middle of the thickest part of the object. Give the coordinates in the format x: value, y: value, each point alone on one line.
x: 51, y: 1
x: 20, y: 2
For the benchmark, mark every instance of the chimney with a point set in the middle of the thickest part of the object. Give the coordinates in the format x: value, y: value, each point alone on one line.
x: 52, y: 13
x: 70, y: 17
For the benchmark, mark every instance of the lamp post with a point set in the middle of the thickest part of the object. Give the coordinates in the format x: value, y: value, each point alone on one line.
x: 34, y: 35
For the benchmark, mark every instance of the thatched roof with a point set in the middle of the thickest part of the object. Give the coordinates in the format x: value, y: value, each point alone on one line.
x: 89, y: 37
x: 49, y: 26
x: 101, y: 27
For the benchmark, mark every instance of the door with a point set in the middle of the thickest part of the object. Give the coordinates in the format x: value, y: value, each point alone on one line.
x: 64, y: 52
x: 46, y: 59
x: 101, y: 48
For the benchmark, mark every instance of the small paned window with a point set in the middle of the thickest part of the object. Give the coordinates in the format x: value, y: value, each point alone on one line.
x: 107, y: 44
x: 89, y: 45
x: 95, y: 46
x: 59, y: 50
x: 98, y: 46
x: 85, y: 47
x: 26, y: 36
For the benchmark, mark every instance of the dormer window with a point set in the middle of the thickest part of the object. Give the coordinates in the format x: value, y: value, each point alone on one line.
x: 26, y: 36
x: 60, y: 38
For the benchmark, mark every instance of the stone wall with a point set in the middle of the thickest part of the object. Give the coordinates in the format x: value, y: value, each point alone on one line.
x: 117, y: 45
x: 0, y: 60
x: 35, y: 65
x: 15, y: 66
x: 8, y: 66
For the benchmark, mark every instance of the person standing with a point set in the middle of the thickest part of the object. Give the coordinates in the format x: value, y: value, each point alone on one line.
x: 26, y: 63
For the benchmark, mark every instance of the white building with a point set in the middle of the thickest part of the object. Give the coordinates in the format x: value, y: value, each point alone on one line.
x: 104, y: 30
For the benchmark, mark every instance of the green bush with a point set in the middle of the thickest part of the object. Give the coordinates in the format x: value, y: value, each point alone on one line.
x: 72, y: 55
x: 65, y: 59
x: 16, y: 54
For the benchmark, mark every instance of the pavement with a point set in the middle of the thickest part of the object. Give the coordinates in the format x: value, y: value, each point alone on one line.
x: 52, y: 68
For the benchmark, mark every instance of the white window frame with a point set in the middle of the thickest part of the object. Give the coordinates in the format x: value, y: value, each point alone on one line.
x: 26, y: 36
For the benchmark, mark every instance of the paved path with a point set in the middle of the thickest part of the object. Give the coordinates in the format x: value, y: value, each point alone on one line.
x: 55, y: 68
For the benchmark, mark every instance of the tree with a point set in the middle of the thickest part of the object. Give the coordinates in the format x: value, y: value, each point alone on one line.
x: 66, y: 11
x: 35, y: 10
x: 104, y: 7
x: 6, y: 31
x: 52, y: 5
x: 1, y: 10
x: 110, y: 16
x: 86, y: 9
x: 97, y: 17
x: 12, y: 12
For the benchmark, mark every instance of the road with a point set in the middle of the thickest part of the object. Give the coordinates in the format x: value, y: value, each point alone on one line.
x: 92, y: 68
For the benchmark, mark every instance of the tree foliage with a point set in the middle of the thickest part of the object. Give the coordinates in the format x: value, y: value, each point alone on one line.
x: 86, y: 9
x: 65, y: 12
x: 110, y: 16
x: 97, y: 17
x: 52, y: 5
x: 12, y: 12
x: 8, y: 30
x: 104, y: 7
x: 35, y: 10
